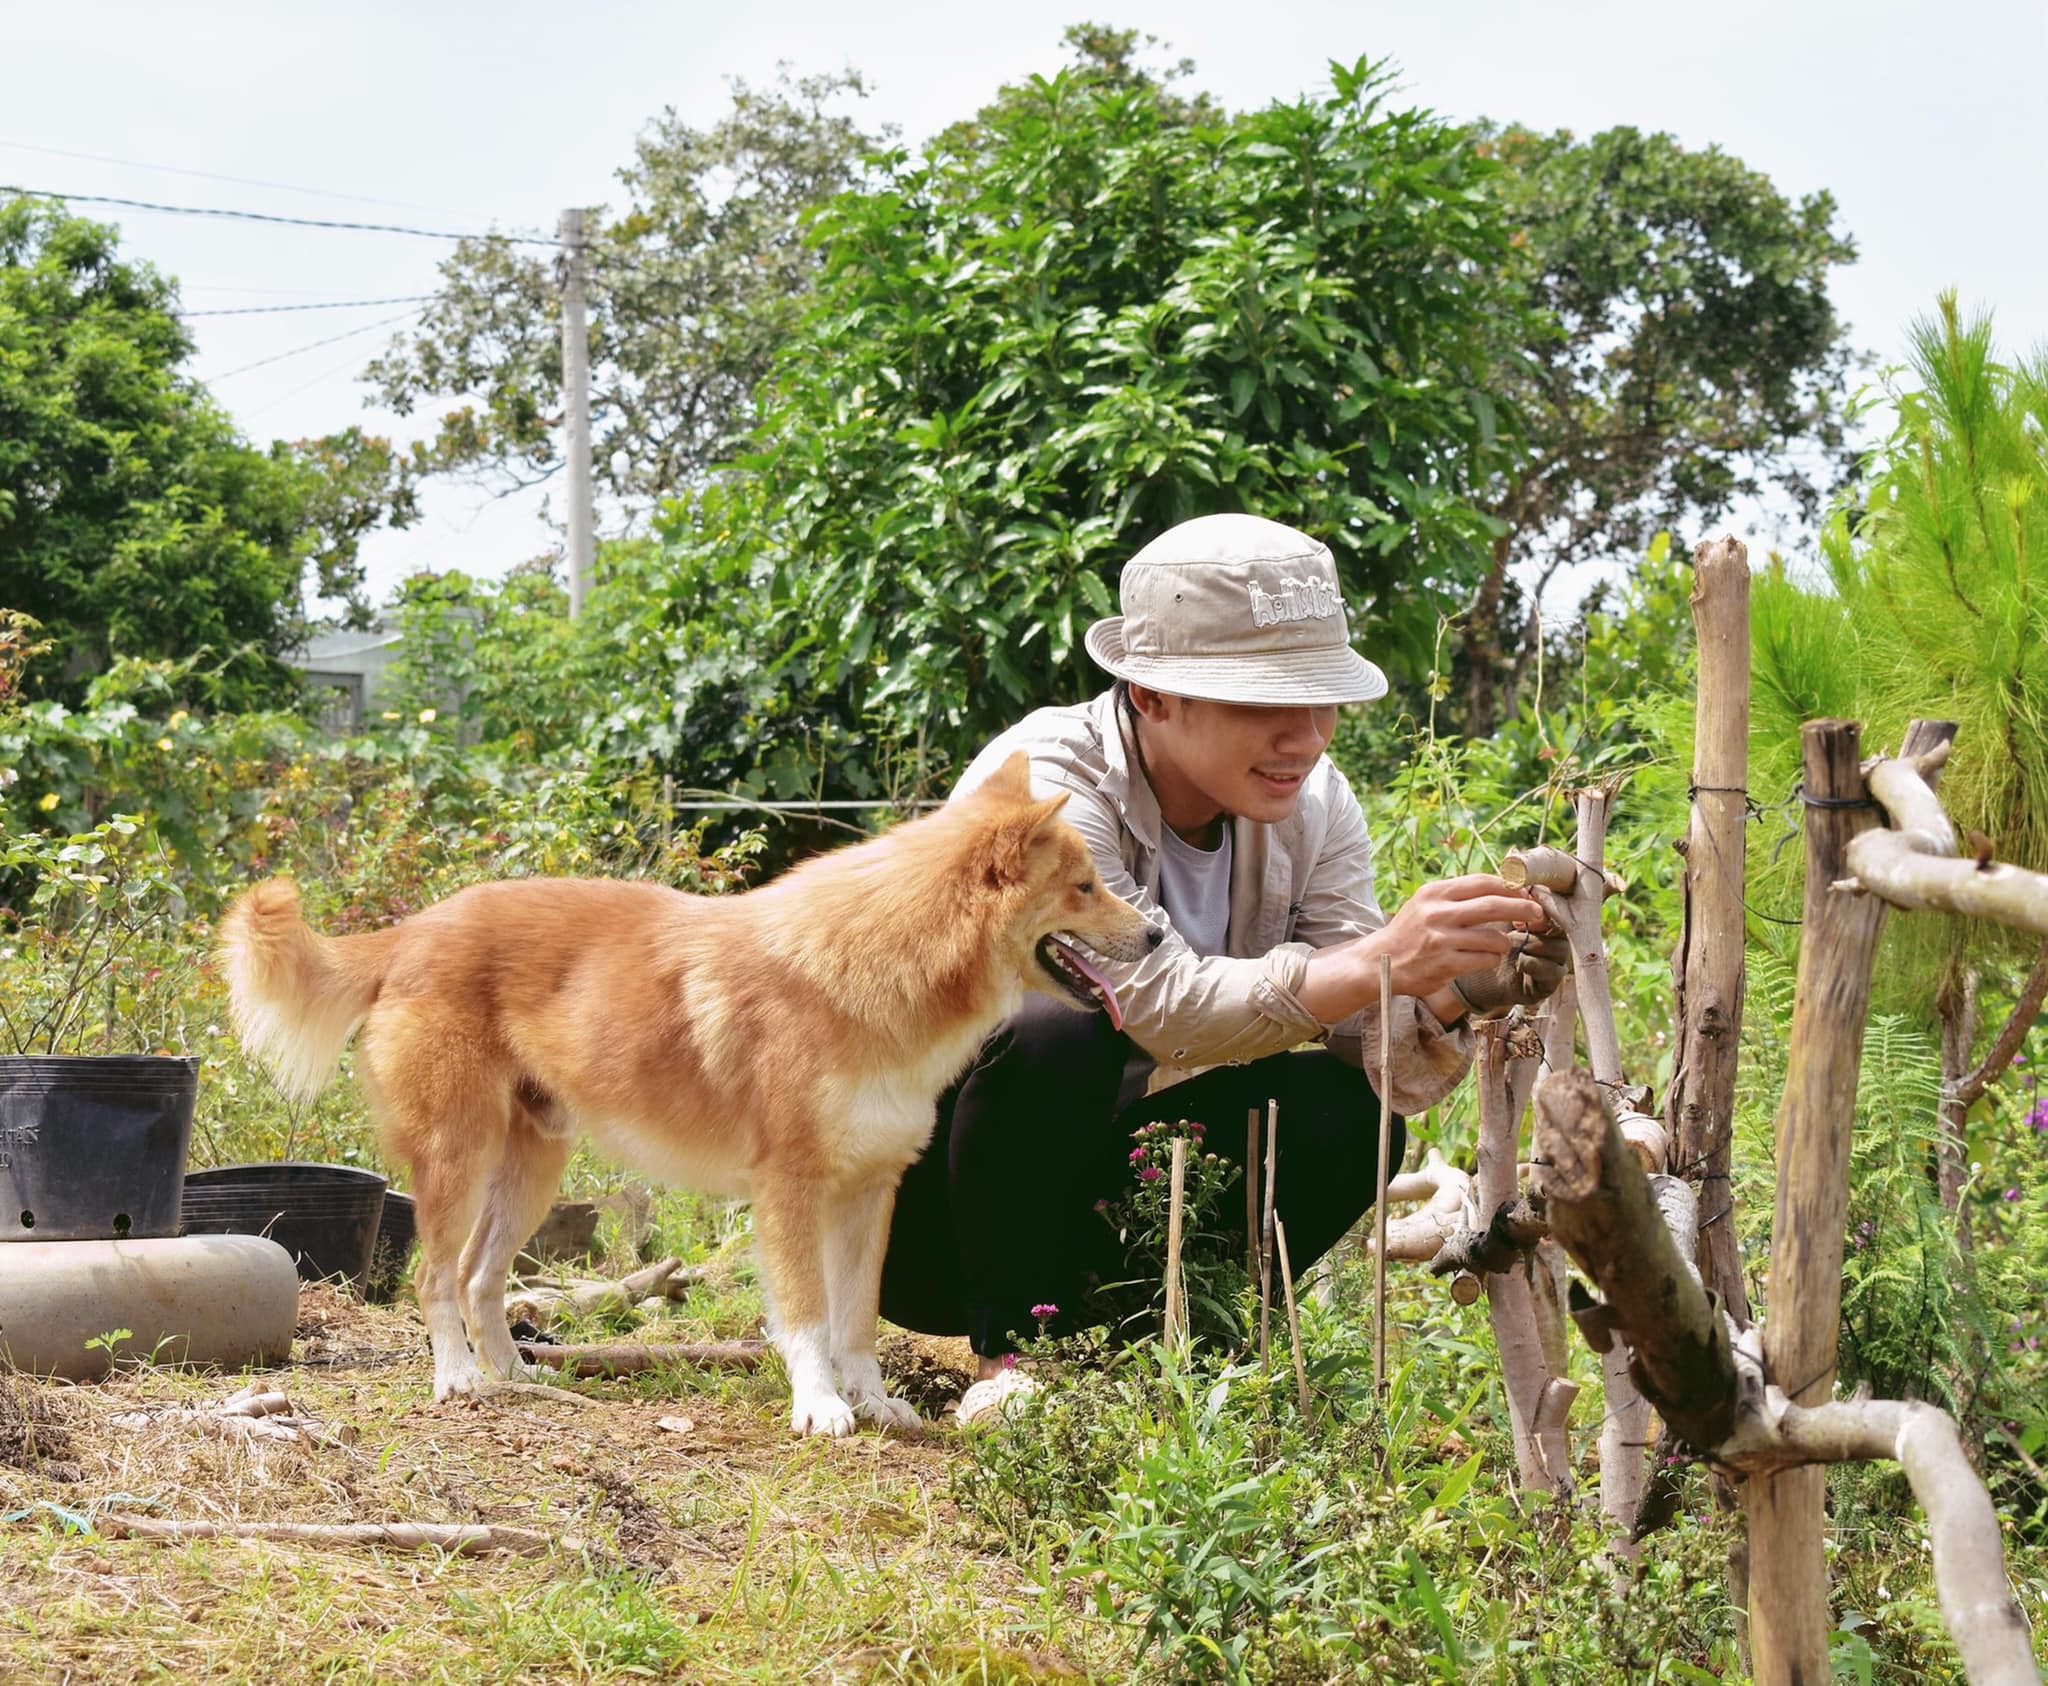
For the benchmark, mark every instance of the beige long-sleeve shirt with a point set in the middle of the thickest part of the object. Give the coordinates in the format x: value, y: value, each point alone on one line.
x: 1299, y: 885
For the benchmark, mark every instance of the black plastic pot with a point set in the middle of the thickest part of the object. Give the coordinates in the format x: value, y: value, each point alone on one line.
x: 325, y: 1216
x: 396, y: 1234
x: 92, y: 1147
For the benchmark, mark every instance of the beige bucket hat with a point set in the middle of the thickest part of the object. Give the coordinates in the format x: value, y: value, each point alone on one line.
x: 1234, y: 608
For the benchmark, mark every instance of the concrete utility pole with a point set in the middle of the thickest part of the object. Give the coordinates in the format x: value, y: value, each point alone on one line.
x: 576, y: 402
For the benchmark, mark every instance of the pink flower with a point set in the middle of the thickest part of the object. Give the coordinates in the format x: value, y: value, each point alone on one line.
x: 1009, y: 1361
x: 2010, y: 1194
x: 1152, y: 1173
x: 1137, y: 1153
x: 1042, y: 1312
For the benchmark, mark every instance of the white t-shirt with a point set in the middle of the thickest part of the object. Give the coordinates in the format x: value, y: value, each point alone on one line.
x: 1194, y: 888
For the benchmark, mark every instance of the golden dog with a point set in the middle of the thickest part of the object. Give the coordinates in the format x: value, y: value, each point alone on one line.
x: 786, y: 1045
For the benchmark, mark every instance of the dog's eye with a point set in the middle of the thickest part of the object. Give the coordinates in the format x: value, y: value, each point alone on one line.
x: 1085, y: 889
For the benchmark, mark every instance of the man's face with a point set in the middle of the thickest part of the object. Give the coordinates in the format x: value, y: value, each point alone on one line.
x: 1245, y: 758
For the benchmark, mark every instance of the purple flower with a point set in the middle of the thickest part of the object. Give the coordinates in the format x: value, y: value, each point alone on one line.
x: 1152, y: 1173
x: 1042, y: 1312
x: 1009, y: 1361
x: 2010, y: 1194
x: 1137, y: 1153
x: 1102, y: 1205
x: 2019, y: 1059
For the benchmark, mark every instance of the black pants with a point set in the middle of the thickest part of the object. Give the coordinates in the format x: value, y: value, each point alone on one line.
x: 1000, y: 1213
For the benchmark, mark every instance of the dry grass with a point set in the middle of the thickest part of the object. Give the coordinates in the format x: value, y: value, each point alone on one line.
x: 719, y: 1550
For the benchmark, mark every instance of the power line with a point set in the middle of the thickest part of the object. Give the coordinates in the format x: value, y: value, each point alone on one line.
x: 314, y: 345
x: 211, y: 175
x: 268, y: 216
x: 330, y: 304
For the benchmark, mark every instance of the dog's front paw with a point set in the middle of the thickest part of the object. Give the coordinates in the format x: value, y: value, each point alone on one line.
x: 821, y: 1413
x: 457, y: 1383
x: 860, y: 1379
x: 885, y: 1410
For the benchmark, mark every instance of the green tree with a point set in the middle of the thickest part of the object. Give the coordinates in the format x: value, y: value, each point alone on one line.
x: 134, y: 519
x: 1687, y: 356
x: 693, y: 288
x: 1035, y: 347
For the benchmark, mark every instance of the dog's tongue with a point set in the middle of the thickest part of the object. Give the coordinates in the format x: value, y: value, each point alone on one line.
x: 1081, y: 964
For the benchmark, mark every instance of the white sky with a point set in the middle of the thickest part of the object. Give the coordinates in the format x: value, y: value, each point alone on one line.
x: 1925, y: 121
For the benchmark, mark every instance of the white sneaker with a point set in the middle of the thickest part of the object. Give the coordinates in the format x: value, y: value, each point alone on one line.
x: 985, y: 1401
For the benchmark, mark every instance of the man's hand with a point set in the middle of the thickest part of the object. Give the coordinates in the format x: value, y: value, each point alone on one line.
x: 1527, y: 975
x: 1451, y: 928
x: 1454, y: 927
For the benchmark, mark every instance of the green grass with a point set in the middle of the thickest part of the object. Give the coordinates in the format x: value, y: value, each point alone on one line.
x: 730, y: 1552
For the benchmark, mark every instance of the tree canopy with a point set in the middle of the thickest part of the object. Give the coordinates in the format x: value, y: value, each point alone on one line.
x: 1685, y: 355
x: 134, y: 518
x: 1089, y: 315
x: 693, y: 286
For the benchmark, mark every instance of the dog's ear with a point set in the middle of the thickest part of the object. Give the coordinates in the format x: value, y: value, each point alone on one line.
x: 1011, y: 782
x: 1012, y: 840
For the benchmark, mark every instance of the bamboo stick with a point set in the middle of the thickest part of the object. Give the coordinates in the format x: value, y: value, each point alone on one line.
x: 1251, y: 1193
x: 1379, y: 1204
x: 1293, y: 1317
x: 1176, y: 1315
x: 1266, y: 1235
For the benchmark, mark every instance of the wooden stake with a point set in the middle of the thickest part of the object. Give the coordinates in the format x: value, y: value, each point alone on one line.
x: 1266, y: 1236
x: 1293, y: 1317
x: 1510, y: 1304
x: 1709, y: 965
x: 1788, y: 1600
x: 1176, y: 1312
x: 1379, y: 1200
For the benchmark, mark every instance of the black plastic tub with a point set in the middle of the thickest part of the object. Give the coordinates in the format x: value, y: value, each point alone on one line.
x: 325, y: 1216
x: 92, y: 1147
x: 397, y: 1232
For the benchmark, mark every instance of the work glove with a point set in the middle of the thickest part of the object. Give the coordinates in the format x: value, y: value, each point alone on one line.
x: 1529, y: 973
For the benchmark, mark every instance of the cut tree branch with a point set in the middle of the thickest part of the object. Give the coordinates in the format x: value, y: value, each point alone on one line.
x: 1715, y: 1392
x: 2026, y: 1008
x: 628, y: 1357
x: 459, y: 1539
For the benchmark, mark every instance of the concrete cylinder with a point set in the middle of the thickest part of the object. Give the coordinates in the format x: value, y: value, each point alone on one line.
x: 227, y: 1300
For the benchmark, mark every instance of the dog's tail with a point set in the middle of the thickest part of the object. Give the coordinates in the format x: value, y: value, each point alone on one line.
x: 296, y: 996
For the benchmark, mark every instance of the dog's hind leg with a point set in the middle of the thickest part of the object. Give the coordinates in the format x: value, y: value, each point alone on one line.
x: 448, y: 1196
x: 518, y: 1194
x: 856, y: 1234
x: 444, y: 1113
x: 788, y: 1215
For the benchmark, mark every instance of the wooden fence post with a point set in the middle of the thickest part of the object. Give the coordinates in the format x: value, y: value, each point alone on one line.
x: 1708, y: 965
x: 1788, y: 1575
